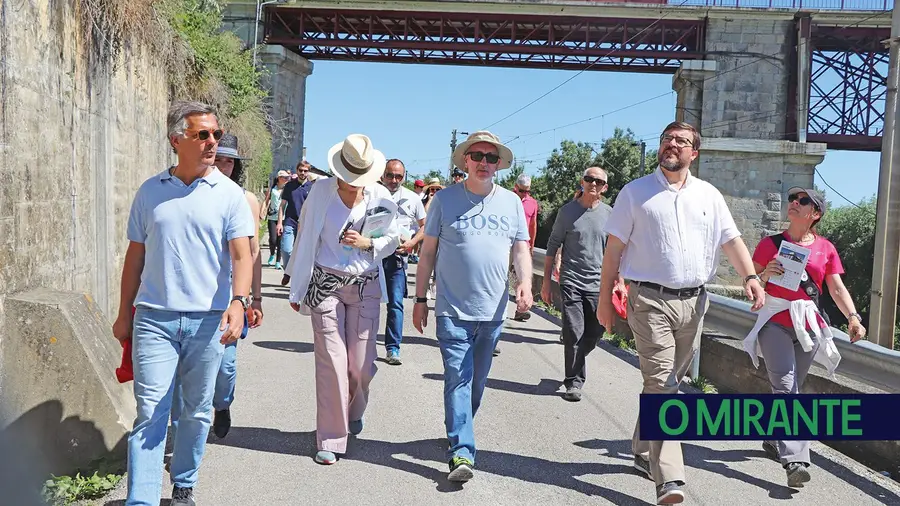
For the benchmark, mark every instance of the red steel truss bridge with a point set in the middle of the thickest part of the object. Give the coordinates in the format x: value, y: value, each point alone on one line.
x: 848, y: 61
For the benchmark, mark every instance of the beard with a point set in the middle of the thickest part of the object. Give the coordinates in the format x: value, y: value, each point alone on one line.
x: 670, y: 164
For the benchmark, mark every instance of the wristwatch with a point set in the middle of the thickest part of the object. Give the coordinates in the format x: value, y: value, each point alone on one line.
x: 752, y: 276
x: 245, y: 301
x: 857, y: 315
x: 421, y: 300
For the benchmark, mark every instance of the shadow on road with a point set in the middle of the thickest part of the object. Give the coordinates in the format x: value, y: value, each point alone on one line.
x: 294, y: 346
x: 716, y: 461
x: 433, y: 451
x: 544, y: 387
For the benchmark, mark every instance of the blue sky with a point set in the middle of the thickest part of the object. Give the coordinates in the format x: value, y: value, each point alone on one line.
x: 409, y: 112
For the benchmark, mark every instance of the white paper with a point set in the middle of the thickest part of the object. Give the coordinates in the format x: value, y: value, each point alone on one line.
x: 379, y: 215
x: 793, y: 259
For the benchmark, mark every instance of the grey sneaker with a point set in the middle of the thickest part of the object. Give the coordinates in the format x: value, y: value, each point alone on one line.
x: 461, y: 469
x: 797, y: 474
x: 643, y: 465
x: 669, y: 493
x: 182, y: 496
x: 393, y: 358
x: 573, y: 394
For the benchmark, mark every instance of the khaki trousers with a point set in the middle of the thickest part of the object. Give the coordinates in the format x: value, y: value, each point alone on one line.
x: 666, y: 332
x: 345, y: 328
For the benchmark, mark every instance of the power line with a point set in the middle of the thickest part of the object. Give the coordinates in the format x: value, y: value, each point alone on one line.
x: 839, y: 193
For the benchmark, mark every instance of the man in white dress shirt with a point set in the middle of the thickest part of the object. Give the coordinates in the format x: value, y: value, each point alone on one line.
x: 673, y: 225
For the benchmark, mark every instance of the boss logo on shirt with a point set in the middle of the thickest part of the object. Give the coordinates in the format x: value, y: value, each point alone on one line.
x: 480, y: 224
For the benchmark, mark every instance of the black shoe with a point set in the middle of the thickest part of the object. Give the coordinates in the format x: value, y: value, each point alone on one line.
x: 797, y: 474
x: 771, y: 451
x: 669, y: 493
x: 182, y: 496
x: 285, y: 280
x: 496, y: 350
x: 222, y: 423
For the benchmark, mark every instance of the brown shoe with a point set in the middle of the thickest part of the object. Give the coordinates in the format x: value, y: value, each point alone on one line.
x: 285, y: 280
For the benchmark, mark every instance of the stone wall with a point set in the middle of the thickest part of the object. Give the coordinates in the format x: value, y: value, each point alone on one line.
x: 78, y: 135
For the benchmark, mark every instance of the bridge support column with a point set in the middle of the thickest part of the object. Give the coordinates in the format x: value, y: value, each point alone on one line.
x: 287, y: 94
x: 741, y: 153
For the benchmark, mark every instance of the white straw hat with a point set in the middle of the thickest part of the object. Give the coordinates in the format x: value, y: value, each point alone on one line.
x: 356, y: 161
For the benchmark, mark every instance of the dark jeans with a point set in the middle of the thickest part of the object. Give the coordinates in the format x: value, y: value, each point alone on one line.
x: 274, y: 240
x: 395, y: 280
x: 580, y: 331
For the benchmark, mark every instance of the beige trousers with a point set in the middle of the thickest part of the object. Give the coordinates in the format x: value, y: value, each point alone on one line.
x: 345, y: 329
x: 666, y: 331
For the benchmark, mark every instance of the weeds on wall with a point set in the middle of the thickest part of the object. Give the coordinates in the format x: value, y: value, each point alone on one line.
x: 201, y: 62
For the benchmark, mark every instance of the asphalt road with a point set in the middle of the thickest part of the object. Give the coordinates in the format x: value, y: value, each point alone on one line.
x: 534, y: 447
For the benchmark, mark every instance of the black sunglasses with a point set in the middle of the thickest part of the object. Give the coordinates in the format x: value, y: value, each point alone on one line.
x: 591, y: 179
x: 804, y: 201
x: 204, y: 134
x: 478, y: 156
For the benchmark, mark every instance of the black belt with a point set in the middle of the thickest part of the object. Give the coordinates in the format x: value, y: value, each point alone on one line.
x: 678, y: 292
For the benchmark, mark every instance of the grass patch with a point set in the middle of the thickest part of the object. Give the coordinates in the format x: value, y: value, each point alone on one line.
x: 619, y: 341
x: 548, y: 308
x: 65, y: 490
x: 704, y: 385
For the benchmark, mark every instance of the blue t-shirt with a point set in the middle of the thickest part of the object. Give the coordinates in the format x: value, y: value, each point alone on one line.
x: 475, y: 235
x: 185, y: 232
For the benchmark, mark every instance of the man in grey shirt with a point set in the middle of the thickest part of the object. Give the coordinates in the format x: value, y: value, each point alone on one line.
x: 579, y: 230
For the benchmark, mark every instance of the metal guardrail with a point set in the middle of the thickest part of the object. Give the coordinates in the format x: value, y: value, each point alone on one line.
x: 867, y: 361
x: 837, y: 5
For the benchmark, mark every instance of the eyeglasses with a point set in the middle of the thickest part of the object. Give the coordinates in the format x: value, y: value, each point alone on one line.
x: 397, y: 177
x: 522, y: 190
x: 681, y: 142
x: 803, y: 201
x: 204, y: 134
x: 591, y: 179
x: 477, y: 156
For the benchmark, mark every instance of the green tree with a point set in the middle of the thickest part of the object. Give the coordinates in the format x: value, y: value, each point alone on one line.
x: 852, y: 231
x: 620, y: 156
x: 507, y: 178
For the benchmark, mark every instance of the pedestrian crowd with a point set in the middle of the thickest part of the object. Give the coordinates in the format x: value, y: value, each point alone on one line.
x: 191, y: 287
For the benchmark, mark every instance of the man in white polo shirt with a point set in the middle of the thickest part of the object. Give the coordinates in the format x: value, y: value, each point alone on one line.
x: 673, y: 225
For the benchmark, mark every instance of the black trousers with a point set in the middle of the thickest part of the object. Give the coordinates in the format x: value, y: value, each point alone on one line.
x: 274, y: 240
x: 580, y: 331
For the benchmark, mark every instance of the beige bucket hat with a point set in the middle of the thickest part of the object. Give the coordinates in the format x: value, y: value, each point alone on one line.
x: 459, y: 154
x: 356, y: 161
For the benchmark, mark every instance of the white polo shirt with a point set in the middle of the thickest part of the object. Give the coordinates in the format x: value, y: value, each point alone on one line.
x: 673, y: 237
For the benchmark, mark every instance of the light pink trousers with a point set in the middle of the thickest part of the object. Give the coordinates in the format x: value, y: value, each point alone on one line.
x: 345, y: 329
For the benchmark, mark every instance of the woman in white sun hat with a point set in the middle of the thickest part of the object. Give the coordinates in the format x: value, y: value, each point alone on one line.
x: 337, y: 279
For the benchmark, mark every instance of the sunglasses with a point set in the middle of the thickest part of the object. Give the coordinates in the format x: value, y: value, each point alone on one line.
x: 205, y: 134
x: 520, y: 190
x: 477, y: 156
x: 803, y: 201
x: 591, y: 179
x: 398, y: 177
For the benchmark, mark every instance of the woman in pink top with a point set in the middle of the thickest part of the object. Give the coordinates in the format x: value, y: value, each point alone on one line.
x: 786, y: 361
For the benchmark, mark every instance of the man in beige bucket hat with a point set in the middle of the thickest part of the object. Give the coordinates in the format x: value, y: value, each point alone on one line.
x: 471, y: 228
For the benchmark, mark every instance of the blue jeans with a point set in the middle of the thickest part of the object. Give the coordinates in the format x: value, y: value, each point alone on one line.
x: 467, y: 349
x: 226, y: 379
x: 287, y: 244
x: 169, y: 344
x: 395, y: 279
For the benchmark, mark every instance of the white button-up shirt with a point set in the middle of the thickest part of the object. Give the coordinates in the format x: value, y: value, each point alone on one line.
x: 673, y: 237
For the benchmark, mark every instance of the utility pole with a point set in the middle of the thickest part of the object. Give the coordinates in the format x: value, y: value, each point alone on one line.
x: 643, y: 146
x: 452, y: 149
x: 886, y: 271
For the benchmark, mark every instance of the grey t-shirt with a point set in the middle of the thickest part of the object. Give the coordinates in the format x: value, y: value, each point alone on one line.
x: 475, y: 235
x: 580, y: 233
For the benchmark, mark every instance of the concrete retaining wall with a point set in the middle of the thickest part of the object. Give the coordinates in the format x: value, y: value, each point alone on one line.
x: 78, y: 134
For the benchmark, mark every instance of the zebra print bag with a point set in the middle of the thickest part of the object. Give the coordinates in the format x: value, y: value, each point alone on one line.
x: 322, y: 284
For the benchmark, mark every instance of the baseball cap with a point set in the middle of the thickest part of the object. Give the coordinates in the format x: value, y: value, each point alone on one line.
x: 816, y: 197
x: 419, y: 183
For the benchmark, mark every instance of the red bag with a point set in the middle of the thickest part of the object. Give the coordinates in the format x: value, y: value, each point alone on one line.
x: 125, y: 372
x: 620, y: 302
